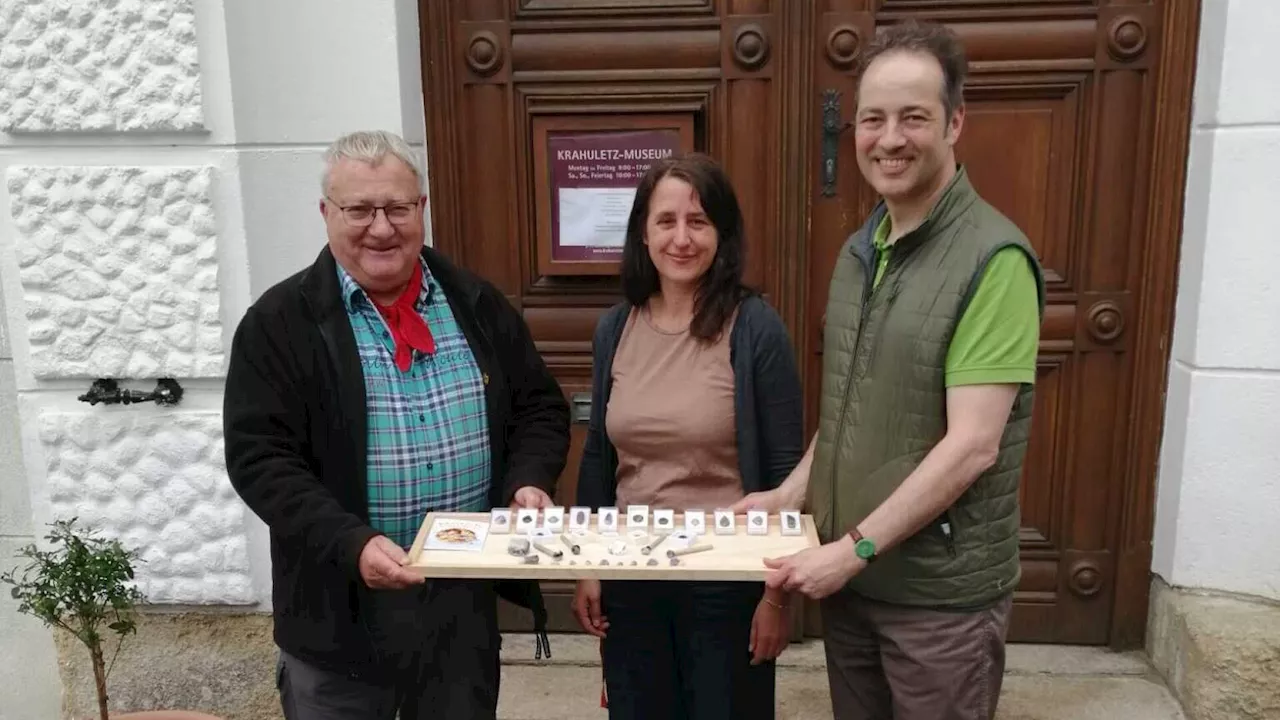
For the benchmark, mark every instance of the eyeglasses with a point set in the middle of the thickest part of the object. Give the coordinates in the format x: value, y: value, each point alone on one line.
x: 362, y: 215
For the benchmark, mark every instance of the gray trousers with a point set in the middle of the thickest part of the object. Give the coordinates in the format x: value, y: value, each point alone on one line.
x: 890, y: 662
x: 439, y: 651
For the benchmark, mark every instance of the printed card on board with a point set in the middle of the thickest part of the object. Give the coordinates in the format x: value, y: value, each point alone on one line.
x: 579, y: 518
x: 553, y: 519
x: 527, y: 520
x: 725, y: 522
x: 790, y: 521
x: 454, y: 534
x: 637, y: 517
x: 500, y: 521
x: 608, y: 520
x: 695, y: 522
x: 664, y: 520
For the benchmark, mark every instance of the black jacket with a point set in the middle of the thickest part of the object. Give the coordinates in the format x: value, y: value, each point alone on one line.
x: 295, y: 429
x: 767, y: 401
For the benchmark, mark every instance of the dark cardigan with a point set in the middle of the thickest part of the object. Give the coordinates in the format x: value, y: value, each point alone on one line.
x: 768, y: 403
x: 294, y: 420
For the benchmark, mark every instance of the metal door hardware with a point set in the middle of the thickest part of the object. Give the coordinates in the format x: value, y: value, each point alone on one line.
x: 832, y: 128
x: 109, y: 392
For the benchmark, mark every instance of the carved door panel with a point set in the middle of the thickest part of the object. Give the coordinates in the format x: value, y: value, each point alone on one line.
x: 1076, y: 128
x: 1061, y: 102
x: 504, y: 76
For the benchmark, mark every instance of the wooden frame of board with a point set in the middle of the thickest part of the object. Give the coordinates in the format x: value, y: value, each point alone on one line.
x: 736, y: 557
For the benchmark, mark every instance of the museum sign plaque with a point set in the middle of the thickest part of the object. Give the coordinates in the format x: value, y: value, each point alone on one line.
x: 586, y: 169
x: 593, y: 183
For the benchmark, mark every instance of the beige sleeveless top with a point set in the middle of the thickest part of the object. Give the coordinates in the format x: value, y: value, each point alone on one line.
x: 670, y: 417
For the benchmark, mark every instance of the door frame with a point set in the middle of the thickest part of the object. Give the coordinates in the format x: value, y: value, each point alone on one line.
x: 1166, y: 178
x: 1156, y: 296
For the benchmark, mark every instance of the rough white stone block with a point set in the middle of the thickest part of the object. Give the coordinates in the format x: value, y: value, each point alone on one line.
x: 99, y: 66
x: 158, y: 483
x: 119, y: 270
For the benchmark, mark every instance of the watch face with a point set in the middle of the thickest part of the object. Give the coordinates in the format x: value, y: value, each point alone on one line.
x: 865, y: 549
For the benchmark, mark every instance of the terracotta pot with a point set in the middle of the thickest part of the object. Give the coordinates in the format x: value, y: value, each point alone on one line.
x: 165, y: 715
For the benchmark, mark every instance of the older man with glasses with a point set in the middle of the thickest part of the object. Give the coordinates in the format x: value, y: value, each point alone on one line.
x: 379, y: 384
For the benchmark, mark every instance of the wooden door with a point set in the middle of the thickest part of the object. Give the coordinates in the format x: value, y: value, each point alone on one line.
x: 504, y: 75
x: 1076, y: 128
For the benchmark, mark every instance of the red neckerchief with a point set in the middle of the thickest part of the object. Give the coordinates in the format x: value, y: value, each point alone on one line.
x: 409, y: 330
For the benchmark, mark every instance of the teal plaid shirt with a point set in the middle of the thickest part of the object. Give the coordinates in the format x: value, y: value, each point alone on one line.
x: 428, y: 434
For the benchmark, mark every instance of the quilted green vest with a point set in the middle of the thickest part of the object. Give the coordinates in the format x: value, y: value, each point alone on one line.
x: 883, y: 405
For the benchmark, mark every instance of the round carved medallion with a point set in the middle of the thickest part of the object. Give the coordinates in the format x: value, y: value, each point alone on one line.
x: 1105, y: 321
x: 484, y: 53
x: 1126, y: 38
x: 750, y: 46
x: 843, y: 43
x: 1086, y: 578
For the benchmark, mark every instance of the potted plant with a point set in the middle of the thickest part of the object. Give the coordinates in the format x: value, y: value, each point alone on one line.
x: 82, y: 584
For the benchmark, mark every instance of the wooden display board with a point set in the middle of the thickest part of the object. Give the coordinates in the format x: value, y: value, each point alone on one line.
x: 736, y: 557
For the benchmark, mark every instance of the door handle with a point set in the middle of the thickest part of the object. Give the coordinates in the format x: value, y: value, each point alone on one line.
x: 580, y: 407
x: 832, y: 128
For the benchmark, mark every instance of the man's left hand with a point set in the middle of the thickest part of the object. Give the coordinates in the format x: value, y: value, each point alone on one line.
x: 531, y: 497
x: 816, y: 572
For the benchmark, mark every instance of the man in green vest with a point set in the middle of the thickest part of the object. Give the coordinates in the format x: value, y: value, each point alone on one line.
x: 932, y: 328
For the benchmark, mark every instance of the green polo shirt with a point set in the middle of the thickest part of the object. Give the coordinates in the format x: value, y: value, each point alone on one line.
x: 997, y: 338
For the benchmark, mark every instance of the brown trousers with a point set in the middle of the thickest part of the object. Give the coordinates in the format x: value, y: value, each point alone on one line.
x: 890, y: 662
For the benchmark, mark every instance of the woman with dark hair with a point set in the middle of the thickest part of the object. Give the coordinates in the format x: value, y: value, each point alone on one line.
x: 695, y: 402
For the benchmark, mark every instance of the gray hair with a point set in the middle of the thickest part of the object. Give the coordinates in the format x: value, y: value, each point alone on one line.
x: 370, y: 146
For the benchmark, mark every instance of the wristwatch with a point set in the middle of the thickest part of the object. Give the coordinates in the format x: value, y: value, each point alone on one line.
x: 864, y: 548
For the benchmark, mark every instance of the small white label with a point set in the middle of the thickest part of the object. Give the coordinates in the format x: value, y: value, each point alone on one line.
x: 608, y: 520
x: 553, y: 519
x: 637, y: 517
x: 757, y: 522
x: 725, y: 522
x: 695, y: 522
x: 526, y: 520
x: 500, y: 521
x: 664, y: 519
x: 579, y: 518
x: 790, y: 521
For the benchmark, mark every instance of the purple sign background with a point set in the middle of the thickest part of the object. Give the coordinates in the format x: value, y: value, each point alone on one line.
x: 601, y: 159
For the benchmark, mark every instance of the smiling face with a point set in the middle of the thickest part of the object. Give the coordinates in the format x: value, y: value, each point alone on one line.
x: 680, y: 237
x: 904, y: 140
x: 381, y: 255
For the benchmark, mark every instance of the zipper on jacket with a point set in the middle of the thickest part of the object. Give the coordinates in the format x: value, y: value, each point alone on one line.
x: 868, y: 293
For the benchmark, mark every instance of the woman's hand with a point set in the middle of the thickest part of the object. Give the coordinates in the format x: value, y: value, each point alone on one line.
x: 770, y: 628
x: 587, y: 608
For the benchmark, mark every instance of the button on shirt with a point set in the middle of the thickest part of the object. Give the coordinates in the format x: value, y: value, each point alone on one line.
x: 428, y: 433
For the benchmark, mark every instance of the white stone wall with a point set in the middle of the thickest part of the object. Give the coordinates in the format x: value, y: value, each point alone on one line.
x: 119, y: 270
x: 160, y: 163
x: 1219, y: 483
x: 99, y: 66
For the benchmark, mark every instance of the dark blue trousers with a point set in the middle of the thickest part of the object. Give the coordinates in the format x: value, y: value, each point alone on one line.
x: 679, y: 650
